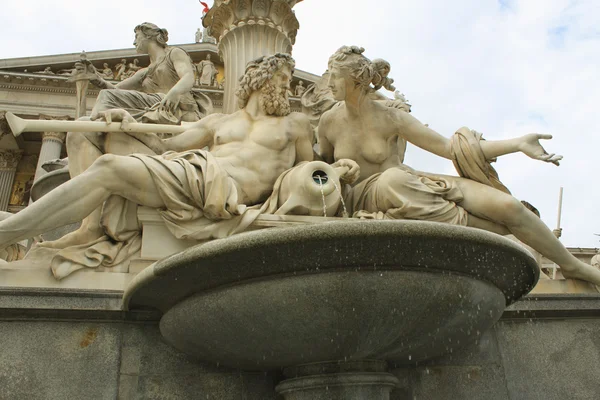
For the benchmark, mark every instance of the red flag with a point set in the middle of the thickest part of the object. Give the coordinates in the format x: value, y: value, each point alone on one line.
x: 206, y: 8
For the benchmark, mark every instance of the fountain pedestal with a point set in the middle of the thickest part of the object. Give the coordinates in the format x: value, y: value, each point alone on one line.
x: 356, y: 380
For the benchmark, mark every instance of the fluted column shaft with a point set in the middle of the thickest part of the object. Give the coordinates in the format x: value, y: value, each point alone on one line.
x: 52, y: 143
x: 8, y: 167
x: 243, y: 44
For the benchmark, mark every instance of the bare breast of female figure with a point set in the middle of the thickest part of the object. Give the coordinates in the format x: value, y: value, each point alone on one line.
x: 372, y: 150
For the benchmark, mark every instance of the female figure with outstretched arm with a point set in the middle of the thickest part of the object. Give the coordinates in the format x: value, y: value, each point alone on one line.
x: 366, y: 131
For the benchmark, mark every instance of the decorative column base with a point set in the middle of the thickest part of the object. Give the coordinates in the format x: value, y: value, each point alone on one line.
x: 344, y: 380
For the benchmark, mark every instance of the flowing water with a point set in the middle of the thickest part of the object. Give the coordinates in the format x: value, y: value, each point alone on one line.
x: 322, y: 195
x: 345, y: 212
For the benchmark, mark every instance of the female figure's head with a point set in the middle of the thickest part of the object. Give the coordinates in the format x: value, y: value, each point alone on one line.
x: 146, y: 32
x: 351, y: 72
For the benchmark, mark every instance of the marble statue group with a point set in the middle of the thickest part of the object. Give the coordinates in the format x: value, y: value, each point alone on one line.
x: 222, y: 164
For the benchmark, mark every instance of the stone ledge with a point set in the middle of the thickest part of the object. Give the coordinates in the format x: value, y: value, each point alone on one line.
x: 22, y: 274
x: 562, y: 286
x: 19, y: 304
x: 538, y: 306
x: 25, y: 303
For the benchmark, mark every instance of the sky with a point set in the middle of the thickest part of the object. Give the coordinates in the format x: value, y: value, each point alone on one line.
x: 501, y: 67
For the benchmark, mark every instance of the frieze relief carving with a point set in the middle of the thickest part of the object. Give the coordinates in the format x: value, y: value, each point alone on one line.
x: 46, y: 71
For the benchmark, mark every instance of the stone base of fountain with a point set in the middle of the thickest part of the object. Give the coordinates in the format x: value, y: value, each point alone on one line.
x: 401, y: 291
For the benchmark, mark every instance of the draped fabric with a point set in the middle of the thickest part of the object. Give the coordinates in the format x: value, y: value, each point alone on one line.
x: 401, y: 193
x: 469, y: 160
x: 202, y: 206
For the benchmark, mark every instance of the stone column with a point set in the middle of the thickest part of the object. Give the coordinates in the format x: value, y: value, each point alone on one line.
x: 248, y: 29
x: 52, y: 143
x: 9, y: 159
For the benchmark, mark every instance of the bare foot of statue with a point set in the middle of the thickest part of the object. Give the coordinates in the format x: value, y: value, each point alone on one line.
x: 79, y: 237
x: 581, y: 271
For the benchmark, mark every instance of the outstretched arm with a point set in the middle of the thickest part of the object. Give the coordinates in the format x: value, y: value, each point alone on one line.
x: 197, y: 136
x: 426, y: 138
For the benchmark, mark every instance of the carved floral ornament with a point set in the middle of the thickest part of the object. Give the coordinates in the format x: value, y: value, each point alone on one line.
x: 9, y: 159
x: 55, y: 136
x: 227, y: 15
x: 4, y: 127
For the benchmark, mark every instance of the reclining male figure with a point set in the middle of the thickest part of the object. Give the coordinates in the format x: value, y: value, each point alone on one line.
x: 249, y: 149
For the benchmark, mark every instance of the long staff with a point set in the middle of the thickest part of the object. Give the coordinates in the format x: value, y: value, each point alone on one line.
x: 20, y: 125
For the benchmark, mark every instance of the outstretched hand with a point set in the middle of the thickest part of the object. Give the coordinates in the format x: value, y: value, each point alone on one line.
x: 116, y: 115
x: 348, y: 170
x: 531, y: 146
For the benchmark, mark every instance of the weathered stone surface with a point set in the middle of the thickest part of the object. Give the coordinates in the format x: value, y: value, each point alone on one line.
x: 483, y: 351
x: 43, y: 359
x: 472, y: 372
x: 551, y: 360
x: 451, y: 382
x: 54, y: 360
x: 151, y: 369
x: 145, y: 352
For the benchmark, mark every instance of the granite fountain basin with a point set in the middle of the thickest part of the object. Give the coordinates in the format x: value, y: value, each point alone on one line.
x: 404, y: 291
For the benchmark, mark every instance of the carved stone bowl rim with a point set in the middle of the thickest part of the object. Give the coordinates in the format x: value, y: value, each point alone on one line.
x: 347, y: 244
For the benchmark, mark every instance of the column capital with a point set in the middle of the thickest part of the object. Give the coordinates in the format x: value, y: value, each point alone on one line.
x: 225, y: 16
x: 4, y: 127
x: 9, y: 159
x: 56, y: 136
